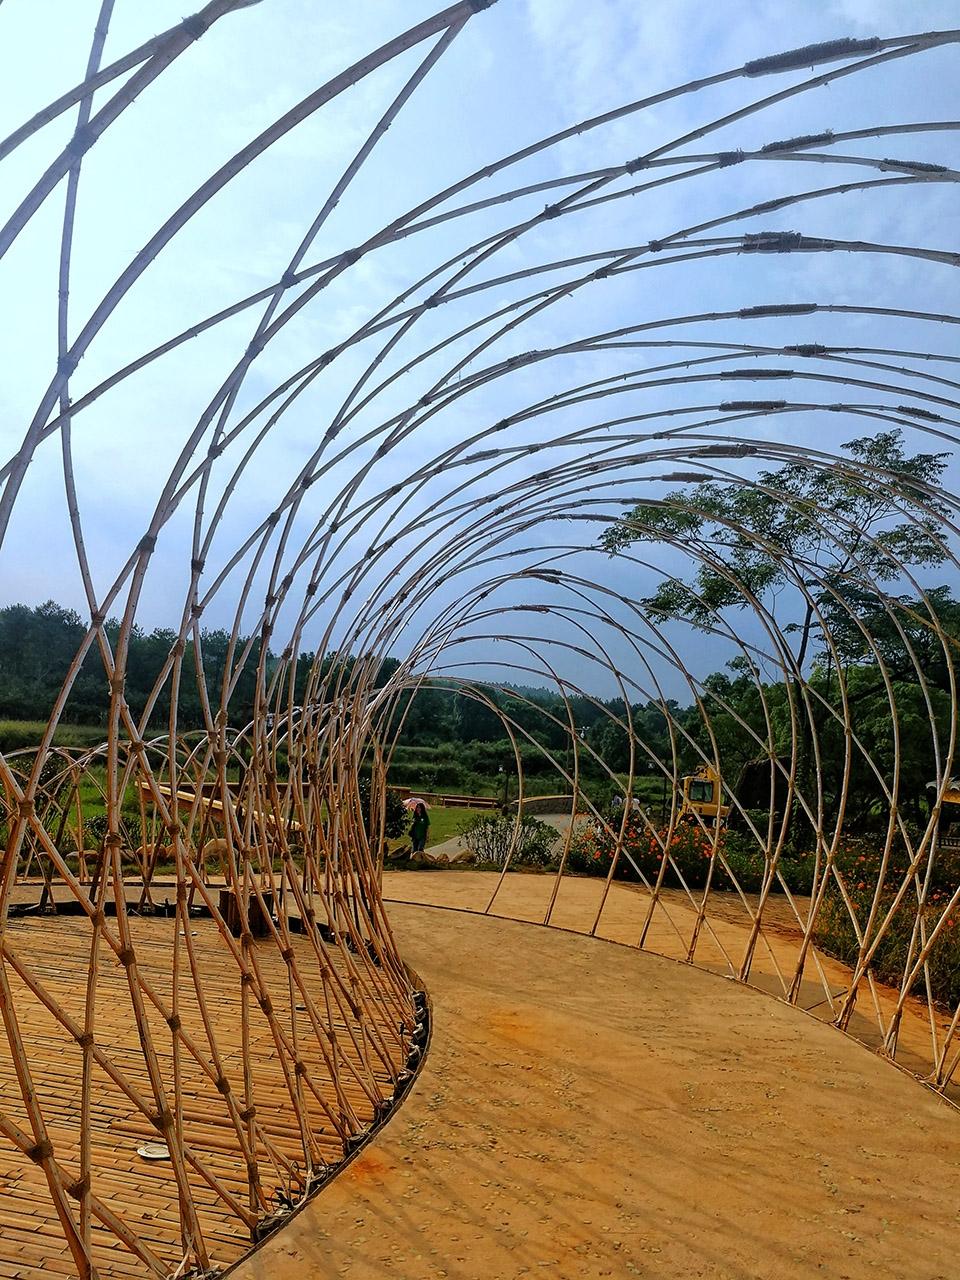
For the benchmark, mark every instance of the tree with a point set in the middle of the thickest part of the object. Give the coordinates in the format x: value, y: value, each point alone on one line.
x: 801, y: 523
x: 36, y: 649
x: 805, y: 539
x: 475, y: 722
x: 892, y: 625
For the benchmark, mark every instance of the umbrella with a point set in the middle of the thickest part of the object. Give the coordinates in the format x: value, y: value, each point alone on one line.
x: 411, y: 802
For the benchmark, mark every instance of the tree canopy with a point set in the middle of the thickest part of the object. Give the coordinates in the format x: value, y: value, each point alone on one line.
x: 812, y: 527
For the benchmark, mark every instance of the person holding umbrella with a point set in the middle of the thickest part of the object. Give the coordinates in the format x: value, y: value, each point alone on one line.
x: 419, y: 825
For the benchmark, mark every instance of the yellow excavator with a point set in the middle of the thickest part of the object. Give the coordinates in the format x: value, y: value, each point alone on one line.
x: 701, y: 795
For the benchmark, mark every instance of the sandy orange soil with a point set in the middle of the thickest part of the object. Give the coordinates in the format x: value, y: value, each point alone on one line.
x: 581, y: 906
x: 591, y: 1110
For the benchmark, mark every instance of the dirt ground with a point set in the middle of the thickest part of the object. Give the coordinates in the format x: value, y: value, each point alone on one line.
x: 582, y: 907
x: 589, y: 1110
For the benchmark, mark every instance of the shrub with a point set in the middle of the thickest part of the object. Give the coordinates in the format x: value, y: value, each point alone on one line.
x: 688, y: 850
x: 492, y: 838
x: 395, y: 818
x: 836, y: 935
x: 859, y: 862
x: 18, y: 735
x: 95, y: 830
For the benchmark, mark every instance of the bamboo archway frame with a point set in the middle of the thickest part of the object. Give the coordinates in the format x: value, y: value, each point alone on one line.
x: 445, y: 566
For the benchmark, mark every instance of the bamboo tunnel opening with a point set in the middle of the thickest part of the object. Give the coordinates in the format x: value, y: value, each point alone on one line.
x: 609, y: 497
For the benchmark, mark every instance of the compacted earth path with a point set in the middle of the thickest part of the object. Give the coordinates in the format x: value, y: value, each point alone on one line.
x: 584, y: 905
x: 589, y: 1110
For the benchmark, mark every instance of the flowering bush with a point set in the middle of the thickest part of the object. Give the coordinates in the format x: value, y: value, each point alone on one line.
x: 836, y: 935
x: 688, y: 849
x: 592, y: 850
x: 861, y: 870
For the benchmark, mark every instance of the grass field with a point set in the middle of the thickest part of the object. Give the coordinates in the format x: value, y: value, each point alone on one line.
x: 19, y: 735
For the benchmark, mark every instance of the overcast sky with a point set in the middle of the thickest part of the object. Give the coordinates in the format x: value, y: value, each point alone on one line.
x: 516, y: 73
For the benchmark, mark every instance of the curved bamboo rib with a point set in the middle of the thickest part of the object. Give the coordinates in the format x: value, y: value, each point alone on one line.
x: 194, y: 948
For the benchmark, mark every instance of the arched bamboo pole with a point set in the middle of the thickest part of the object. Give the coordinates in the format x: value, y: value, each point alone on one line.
x: 442, y: 521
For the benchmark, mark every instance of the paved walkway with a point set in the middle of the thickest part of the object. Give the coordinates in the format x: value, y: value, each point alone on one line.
x: 454, y: 846
x: 589, y: 1110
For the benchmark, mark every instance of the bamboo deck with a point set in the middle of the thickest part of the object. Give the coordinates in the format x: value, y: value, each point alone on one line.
x: 143, y: 1193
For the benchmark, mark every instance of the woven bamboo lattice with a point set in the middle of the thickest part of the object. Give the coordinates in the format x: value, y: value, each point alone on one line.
x: 213, y: 967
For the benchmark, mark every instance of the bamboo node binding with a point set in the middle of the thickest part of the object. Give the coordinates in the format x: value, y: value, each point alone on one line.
x: 798, y: 143
x: 914, y: 166
x: 916, y: 411
x: 771, y: 241
x: 810, y: 55
x: 777, y: 309
x: 194, y: 26
x: 753, y: 406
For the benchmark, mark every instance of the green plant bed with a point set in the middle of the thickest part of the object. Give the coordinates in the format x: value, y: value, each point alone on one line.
x: 493, y: 839
x: 688, y: 850
x: 836, y: 936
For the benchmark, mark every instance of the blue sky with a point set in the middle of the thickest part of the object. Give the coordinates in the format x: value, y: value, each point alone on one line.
x: 516, y: 73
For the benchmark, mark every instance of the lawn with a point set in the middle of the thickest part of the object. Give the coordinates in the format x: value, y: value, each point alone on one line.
x: 19, y: 735
x: 444, y: 824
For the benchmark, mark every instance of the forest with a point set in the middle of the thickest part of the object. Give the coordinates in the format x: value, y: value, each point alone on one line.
x: 449, y: 740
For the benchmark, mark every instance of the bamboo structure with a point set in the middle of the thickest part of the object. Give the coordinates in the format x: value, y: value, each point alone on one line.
x: 211, y: 965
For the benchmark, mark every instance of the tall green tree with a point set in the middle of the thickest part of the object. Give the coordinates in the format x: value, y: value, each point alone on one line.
x: 800, y: 523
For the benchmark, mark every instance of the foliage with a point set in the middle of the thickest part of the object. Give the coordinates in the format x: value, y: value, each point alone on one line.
x: 20, y: 735
x: 37, y: 647
x: 433, y: 755
x: 528, y: 841
x: 892, y: 626
x: 837, y: 936
x: 796, y: 522
x: 395, y: 817
x: 95, y: 830
x: 688, y: 850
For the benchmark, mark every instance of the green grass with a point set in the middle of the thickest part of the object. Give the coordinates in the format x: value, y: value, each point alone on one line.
x: 444, y: 824
x: 20, y: 735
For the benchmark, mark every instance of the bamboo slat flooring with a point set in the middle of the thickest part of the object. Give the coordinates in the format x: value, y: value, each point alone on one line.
x: 56, y: 951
